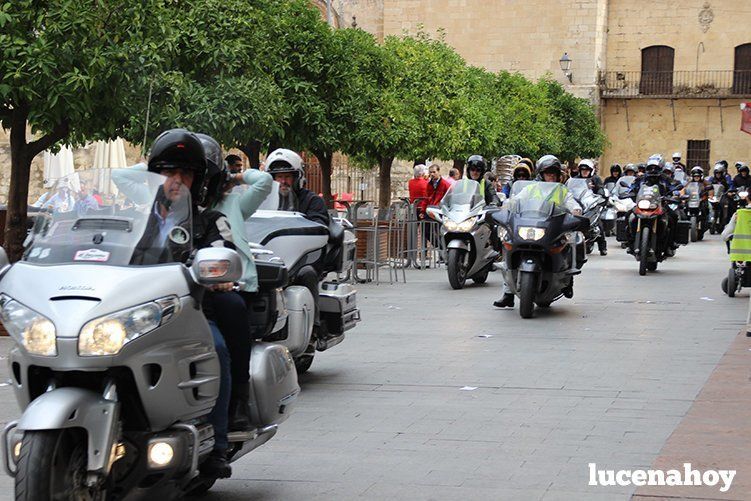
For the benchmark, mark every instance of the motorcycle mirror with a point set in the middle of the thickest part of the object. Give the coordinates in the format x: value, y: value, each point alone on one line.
x: 216, y: 265
x: 4, y: 261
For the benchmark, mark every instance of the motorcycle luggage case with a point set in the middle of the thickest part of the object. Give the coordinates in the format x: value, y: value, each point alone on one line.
x: 274, y: 381
x: 682, y: 232
x: 621, y: 229
x: 338, y: 303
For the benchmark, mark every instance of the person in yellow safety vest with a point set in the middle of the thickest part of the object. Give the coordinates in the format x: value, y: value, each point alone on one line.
x: 549, y: 170
x: 477, y: 166
x: 737, y: 234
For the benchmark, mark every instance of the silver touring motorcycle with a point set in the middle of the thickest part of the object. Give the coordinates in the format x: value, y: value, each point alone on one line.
x: 114, y: 364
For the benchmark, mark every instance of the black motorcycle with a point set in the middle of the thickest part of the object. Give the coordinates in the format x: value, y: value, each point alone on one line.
x: 697, y: 210
x: 717, y: 208
x: 543, y: 247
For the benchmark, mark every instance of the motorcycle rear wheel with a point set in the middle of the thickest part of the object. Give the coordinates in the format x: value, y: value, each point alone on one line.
x: 456, y: 269
x: 528, y: 287
x: 644, y: 251
x: 52, y: 465
x: 304, y: 361
x: 694, y: 229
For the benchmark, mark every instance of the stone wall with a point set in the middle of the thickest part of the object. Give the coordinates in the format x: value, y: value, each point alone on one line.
x: 719, y: 25
x: 648, y: 128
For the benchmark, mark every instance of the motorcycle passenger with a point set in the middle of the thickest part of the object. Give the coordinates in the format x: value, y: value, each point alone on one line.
x: 549, y: 170
x: 231, y: 308
x: 180, y: 156
x: 521, y: 173
x: 615, y: 174
x: 477, y: 166
x: 654, y: 176
x: 586, y: 171
x: 285, y: 166
x: 629, y: 170
x: 641, y: 170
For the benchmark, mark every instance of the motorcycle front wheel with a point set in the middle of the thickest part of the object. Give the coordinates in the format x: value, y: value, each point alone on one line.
x: 457, y: 270
x: 694, y: 229
x: 644, y: 251
x: 52, y: 465
x: 732, y: 283
x: 528, y: 289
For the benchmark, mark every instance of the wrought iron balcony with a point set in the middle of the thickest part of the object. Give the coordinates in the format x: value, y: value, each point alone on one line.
x: 675, y: 84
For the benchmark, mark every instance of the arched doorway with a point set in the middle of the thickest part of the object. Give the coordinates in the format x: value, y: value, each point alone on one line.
x: 657, y: 70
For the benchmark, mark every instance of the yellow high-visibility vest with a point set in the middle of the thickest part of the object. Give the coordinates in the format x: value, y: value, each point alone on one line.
x: 740, y: 246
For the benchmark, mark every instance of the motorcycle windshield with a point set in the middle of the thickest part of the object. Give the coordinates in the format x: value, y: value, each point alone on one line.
x: 118, y: 217
x: 681, y: 177
x: 693, y: 190
x: 651, y: 193
x: 539, y: 201
x: 463, y: 197
x: 578, y: 187
x: 624, y: 184
x: 719, y: 190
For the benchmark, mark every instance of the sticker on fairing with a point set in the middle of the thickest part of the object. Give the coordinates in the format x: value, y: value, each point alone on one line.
x: 95, y: 255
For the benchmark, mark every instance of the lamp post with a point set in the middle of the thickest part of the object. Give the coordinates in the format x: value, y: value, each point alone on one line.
x: 565, y: 63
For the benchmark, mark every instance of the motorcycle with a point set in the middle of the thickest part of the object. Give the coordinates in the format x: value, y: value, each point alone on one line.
x: 610, y: 213
x: 113, y: 362
x: 543, y: 244
x: 592, y: 207
x: 696, y: 211
x: 469, y: 249
x: 717, y: 204
x: 286, y: 244
x: 739, y: 276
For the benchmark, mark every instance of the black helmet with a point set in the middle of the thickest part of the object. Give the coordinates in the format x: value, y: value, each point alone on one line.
x: 549, y: 163
x: 181, y: 149
x: 655, y: 165
x: 641, y: 167
x: 616, y: 168
x: 476, y: 162
x: 217, y: 173
x: 697, y: 171
x: 743, y: 168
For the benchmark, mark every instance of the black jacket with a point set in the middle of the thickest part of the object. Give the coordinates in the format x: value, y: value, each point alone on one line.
x: 312, y: 206
x: 741, y: 182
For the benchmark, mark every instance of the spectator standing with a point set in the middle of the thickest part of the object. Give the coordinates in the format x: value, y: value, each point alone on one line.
x: 234, y: 164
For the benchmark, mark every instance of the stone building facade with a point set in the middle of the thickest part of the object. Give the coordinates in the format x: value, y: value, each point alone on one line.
x: 693, y: 101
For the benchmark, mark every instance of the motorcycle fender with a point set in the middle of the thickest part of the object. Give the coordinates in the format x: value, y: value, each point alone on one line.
x: 529, y: 265
x: 458, y: 244
x: 77, y: 408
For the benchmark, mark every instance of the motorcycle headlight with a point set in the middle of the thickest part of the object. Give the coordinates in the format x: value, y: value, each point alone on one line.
x: 467, y: 224
x: 531, y: 233
x: 34, y: 331
x: 450, y: 225
x: 108, y: 334
x: 644, y: 204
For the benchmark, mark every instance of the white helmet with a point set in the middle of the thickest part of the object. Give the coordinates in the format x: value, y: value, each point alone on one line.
x: 283, y: 161
x: 677, y: 155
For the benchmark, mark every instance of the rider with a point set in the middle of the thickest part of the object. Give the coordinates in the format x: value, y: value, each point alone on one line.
x: 180, y: 156
x: 231, y: 308
x: 521, y: 173
x: 677, y: 164
x: 586, y: 171
x: 654, y: 177
x: 549, y: 170
x: 615, y: 174
x: 477, y: 166
x: 629, y: 170
x: 641, y: 170
x: 743, y: 179
x: 286, y: 167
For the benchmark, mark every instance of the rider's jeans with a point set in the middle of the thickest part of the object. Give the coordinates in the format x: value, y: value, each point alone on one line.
x: 219, y: 417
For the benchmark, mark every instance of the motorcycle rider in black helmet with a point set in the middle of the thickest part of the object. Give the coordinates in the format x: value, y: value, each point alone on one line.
x: 615, y: 174
x: 549, y: 170
x: 285, y: 166
x: 180, y: 156
x: 654, y: 176
x: 586, y: 171
x: 476, y: 169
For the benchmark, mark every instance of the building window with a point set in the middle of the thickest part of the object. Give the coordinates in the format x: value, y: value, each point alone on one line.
x: 657, y: 70
x: 698, y: 154
x: 742, y: 70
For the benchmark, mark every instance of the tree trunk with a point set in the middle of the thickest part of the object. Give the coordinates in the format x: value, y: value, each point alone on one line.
x: 18, y: 194
x: 384, y: 182
x: 325, y: 160
x: 459, y: 165
x: 252, y: 150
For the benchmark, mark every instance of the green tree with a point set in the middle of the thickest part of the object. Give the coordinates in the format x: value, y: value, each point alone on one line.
x: 581, y: 135
x: 65, y: 71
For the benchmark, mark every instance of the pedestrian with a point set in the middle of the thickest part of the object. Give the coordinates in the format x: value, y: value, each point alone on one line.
x: 437, y: 187
x: 234, y: 164
x: 418, y: 186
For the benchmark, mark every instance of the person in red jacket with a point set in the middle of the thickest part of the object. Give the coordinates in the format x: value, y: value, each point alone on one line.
x: 437, y: 187
x: 418, y: 186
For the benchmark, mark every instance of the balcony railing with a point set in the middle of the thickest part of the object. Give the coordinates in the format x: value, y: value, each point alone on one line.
x: 675, y: 84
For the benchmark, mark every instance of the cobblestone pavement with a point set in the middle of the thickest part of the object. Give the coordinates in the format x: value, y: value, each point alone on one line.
x: 438, y: 395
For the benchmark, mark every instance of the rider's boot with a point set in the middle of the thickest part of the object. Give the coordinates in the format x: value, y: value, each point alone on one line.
x: 239, y: 409
x: 216, y: 465
x: 507, y: 301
